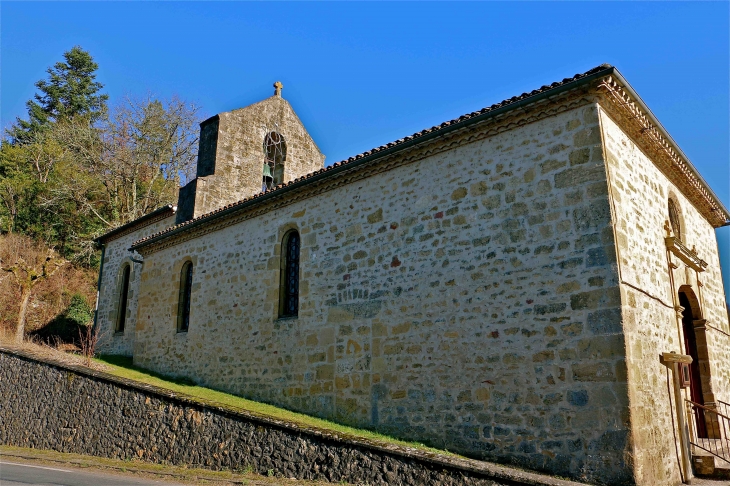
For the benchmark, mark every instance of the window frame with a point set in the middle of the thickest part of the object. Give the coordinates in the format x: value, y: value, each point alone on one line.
x: 289, y: 270
x: 123, y: 304
x: 277, y: 167
x: 675, y: 221
x: 184, y: 299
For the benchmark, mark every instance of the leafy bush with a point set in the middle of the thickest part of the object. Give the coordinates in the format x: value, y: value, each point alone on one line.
x: 79, y: 311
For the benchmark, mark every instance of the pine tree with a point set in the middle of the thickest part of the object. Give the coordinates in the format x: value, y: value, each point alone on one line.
x: 70, y: 90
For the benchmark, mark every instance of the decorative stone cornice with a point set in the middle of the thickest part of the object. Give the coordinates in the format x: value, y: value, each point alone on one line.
x: 637, y: 122
x: 699, y: 324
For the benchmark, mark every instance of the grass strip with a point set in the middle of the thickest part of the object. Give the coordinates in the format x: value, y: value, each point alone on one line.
x: 123, y: 367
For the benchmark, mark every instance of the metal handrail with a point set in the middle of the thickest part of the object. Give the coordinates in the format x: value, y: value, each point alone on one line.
x: 704, y: 407
x: 709, y: 430
x: 725, y: 407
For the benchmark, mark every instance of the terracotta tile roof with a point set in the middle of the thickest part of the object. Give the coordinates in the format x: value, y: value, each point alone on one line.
x: 163, y: 211
x: 391, y: 145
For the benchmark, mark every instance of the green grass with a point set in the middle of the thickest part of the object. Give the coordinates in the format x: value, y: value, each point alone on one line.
x: 122, y: 367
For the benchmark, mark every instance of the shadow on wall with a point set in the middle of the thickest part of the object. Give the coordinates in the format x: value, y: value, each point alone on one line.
x: 127, y: 362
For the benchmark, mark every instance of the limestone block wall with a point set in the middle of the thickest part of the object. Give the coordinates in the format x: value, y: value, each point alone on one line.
x: 639, y: 198
x: 239, y: 153
x: 116, y: 255
x: 469, y: 300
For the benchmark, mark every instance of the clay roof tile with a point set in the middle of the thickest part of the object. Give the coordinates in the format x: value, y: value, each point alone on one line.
x: 393, y: 144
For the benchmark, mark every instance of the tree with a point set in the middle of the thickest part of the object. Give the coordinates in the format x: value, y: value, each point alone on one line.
x: 139, y: 156
x: 75, y: 179
x: 75, y: 169
x: 34, y: 179
x: 70, y: 90
x: 153, y: 145
x: 30, y: 263
x: 33, y: 153
x: 72, y: 201
x: 16, y: 182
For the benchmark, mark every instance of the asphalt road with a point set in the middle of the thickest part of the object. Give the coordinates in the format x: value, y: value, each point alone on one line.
x: 16, y: 474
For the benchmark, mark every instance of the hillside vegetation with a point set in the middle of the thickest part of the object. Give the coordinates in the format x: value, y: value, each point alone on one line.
x: 73, y: 169
x: 57, y: 306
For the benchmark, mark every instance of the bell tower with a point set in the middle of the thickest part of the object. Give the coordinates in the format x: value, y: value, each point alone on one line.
x: 247, y: 151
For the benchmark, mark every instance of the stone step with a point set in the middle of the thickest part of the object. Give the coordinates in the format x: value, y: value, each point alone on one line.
x: 707, y: 465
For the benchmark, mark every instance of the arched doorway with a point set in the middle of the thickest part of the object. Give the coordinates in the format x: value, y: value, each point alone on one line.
x: 690, y: 348
x: 695, y: 345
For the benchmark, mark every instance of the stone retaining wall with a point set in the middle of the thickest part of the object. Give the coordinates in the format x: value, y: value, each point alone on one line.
x: 65, y: 408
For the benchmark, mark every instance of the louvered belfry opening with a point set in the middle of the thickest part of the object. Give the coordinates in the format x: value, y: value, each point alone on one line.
x: 274, y: 159
x: 289, y: 288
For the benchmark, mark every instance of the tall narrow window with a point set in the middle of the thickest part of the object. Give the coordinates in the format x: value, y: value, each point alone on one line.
x: 289, y: 288
x: 274, y: 159
x: 674, y: 219
x: 183, y: 306
x: 123, y: 295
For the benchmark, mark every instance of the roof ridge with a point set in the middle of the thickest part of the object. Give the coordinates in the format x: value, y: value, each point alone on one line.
x: 389, y: 145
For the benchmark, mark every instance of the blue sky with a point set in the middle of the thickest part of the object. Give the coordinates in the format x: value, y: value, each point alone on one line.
x: 363, y: 74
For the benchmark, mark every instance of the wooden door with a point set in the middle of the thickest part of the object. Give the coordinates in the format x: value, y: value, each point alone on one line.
x: 690, y: 348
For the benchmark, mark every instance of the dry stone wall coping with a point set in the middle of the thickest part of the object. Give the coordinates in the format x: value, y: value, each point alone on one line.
x: 457, y: 470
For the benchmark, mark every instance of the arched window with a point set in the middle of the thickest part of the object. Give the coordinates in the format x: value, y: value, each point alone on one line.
x: 674, y: 219
x: 289, y: 286
x: 275, y: 157
x: 183, y: 305
x: 123, y: 297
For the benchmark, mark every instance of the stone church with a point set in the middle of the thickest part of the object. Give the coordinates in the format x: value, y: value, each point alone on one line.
x: 503, y: 285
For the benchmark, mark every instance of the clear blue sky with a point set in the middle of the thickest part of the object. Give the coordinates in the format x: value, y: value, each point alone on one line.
x: 363, y: 74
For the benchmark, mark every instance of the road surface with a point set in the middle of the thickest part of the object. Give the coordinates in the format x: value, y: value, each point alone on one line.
x: 17, y: 474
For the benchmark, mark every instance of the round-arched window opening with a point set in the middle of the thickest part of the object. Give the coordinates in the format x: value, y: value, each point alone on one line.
x: 274, y: 159
x: 289, y: 278
x: 674, y: 219
x: 183, y: 302
x: 123, y: 298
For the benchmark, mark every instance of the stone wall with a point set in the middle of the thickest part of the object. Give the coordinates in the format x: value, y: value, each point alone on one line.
x: 233, y: 161
x: 186, y: 201
x: 69, y: 409
x: 469, y: 299
x: 116, y: 255
x: 639, y: 195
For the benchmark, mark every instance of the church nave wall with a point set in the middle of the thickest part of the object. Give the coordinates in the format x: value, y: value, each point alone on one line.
x: 468, y: 300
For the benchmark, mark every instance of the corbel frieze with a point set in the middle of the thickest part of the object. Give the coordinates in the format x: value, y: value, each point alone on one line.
x: 622, y: 108
x: 511, y: 120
